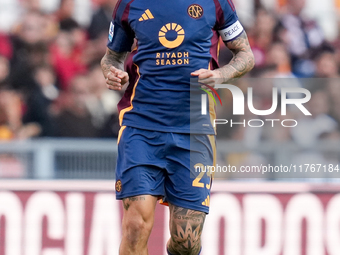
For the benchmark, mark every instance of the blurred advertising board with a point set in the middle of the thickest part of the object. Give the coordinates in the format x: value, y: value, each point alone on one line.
x: 83, y: 218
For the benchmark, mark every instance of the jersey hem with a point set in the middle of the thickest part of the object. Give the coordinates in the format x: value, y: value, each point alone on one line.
x: 187, y: 205
x: 134, y: 194
x: 172, y: 130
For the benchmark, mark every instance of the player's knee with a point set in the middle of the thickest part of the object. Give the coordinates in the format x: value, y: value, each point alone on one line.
x: 185, y: 245
x: 136, y: 229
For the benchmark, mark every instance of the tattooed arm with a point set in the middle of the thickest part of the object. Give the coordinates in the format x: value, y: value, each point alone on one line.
x: 242, y: 62
x: 113, y: 69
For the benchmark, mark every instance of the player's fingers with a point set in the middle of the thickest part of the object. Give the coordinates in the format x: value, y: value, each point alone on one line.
x: 206, y: 75
x: 119, y: 72
x: 114, y: 87
x: 111, y: 74
x: 125, y: 80
x: 199, y: 72
x: 112, y: 77
x: 111, y: 80
x: 114, y: 83
x: 116, y: 73
x: 122, y: 74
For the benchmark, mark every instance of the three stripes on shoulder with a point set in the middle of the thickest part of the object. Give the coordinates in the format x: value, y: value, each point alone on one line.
x: 146, y: 15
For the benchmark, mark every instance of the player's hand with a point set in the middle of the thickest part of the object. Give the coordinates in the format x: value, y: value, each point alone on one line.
x: 116, y: 78
x: 208, y: 77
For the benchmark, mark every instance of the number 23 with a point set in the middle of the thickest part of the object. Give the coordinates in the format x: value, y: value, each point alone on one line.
x: 196, y: 182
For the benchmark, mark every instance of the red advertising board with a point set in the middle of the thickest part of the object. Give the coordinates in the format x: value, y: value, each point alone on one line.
x: 83, y: 218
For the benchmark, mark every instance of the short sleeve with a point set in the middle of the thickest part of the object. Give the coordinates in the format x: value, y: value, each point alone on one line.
x: 228, y: 24
x: 121, y: 36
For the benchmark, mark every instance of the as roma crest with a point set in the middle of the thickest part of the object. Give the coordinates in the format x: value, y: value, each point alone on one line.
x: 118, y: 186
x: 195, y: 11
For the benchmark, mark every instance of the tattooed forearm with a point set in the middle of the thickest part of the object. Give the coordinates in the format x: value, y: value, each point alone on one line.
x: 242, y: 62
x: 186, y: 228
x: 113, y: 58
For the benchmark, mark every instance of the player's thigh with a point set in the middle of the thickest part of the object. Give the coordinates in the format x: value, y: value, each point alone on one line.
x: 138, y: 216
x: 186, y: 226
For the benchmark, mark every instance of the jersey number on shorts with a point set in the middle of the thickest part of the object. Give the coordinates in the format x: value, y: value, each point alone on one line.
x: 197, y: 182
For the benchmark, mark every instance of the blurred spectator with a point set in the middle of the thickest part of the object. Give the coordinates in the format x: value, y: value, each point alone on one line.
x: 262, y: 36
x: 101, y: 19
x: 279, y: 56
x: 75, y: 119
x: 326, y: 65
x: 33, y: 28
x: 97, y: 31
x: 67, y: 52
x: 11, y: 118
x: 4, y: 69
x: 45, y: 77
x: 304, y: 37
x: 36, y: 109
x: 79, y: 10
x: 319, y: 125
x: 66, y: 9
x: 102, y: 104
x: 266, y: 79
x: 311, y: 130
x: 30, y: 48
x: 10, y: 114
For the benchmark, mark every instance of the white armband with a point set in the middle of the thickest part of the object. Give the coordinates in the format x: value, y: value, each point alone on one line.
x: 231, y: 32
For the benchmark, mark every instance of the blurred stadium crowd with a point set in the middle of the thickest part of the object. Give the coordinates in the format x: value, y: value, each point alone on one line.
x: 51, y: 83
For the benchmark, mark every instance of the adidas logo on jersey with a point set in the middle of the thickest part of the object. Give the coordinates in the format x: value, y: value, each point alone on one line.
x: 146, y: 15
x: 206, y: 202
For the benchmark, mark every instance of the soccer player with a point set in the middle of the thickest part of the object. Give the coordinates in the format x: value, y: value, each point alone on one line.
x: 160, y: 145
